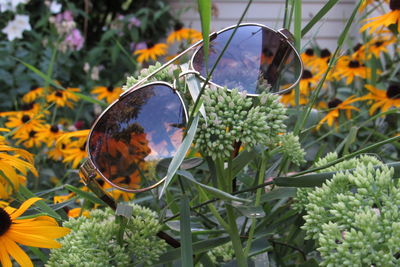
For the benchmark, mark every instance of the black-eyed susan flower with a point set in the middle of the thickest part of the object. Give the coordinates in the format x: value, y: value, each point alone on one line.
x: 392, y: 17
x: 308, y: 81
x: 63, y: 198
x: 383, y: 99
x: 308, y: 56
x: 25, y: 124
x: 31, y: 138
x: 63, y: 98
x: 180, y: 33
x: 348, y: 68
x: 15, y: 165
x: 321, y: 62
x: 34, y: 232
x: 74, y: 151
x: 153, y: 51
x: 366, y: 3
x: 76, y: 212
x: 49, y: 134
x: 33, y: 94
x: 378, y: 45
x: 110, y: 93
x: 335, y: 106
x: 289, y: 98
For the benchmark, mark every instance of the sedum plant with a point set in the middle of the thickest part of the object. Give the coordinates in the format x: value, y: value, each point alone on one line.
x: 354, y: 217
x: 93, y: 240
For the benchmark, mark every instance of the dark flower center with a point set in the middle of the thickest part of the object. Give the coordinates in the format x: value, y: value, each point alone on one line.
x: 378, y: 43
x: 394, y: 4
x: 334, y: 103
x: 25, y: 118
x: 59, y: 94
x: 110, y: 89
x: 32, y: 133
x: 33, y: 88
x: 54, y: 129
x: 310, y: 52
x: 306, y: 74
x: 357, y: 47
x: 27, y: 106
x: 354, y: 64
x: 178, y: 26
x: 325, y: 53
x: 149, y: 44
x: 5, y: 221
x: 393, y: 91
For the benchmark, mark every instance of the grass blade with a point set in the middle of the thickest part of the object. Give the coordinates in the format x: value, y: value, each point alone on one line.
x: 322, y: 12
x: 205, y: 17
x: 180, y: 154
x: 85, y: 195
x: 186, y: 233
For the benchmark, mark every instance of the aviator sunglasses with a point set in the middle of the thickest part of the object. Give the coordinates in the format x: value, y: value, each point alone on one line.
x: 146, y: 124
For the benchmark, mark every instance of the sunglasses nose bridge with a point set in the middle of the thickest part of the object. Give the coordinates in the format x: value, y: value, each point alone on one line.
x: 184, y: 73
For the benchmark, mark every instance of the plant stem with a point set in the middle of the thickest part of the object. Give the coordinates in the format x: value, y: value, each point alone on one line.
x: 234, y: 234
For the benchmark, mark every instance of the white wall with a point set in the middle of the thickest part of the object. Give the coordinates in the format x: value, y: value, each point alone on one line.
x: 270, y: 13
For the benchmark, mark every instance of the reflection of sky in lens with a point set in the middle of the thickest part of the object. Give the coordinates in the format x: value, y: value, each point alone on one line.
x: 142, y: 128
x: 248, y: 62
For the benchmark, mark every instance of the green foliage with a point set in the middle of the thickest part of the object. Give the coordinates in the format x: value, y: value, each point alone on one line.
x: 93, y: 240
x: 354, y: 217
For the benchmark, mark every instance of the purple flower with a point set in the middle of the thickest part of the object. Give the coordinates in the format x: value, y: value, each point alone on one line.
x: 75, y: 40
x: 65, y: 16
x: 138, y: 46
x: 134, y: 21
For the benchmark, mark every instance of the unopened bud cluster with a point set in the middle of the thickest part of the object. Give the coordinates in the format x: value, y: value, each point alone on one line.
x: 354, y: 217
x: 166, y: 75
x: 232, y: 117
x: 291, y: 148
x: 93, y: 241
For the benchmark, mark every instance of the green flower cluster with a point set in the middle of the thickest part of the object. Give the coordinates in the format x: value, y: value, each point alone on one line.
x: 166, y: 75
x: 92, y: 241
x: 232, y: 117
x: 355, y: 217
x: 301, y: 199
x: 222, y: 254
x: 290, y: 146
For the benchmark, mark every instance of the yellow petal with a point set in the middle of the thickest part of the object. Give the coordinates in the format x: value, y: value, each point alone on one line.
x: 32, y: 240
x: 4, y: 258
x: 44, y: 230
x: 24, y: 207
x: 16, y: 252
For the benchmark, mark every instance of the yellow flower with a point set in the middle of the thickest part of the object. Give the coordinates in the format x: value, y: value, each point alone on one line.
x: 181, y: 33
x: 384, y: 99
x: 35, y: 232
x: 109, y: 93
x: 152, y: 52
x: 74, y: 153
x: 366, y: 3
x: 15, y: 164
x: 49, y: 134
x: 33, y: 94
x: 63, y: 98
x: 61, y: 199
x: 335, y: 106
x: 76, y: 212
x: 289, y: 99
x: 392, y: 17
x: 31, y: 138
x: 308, y: 56
x: 24, y: 123
x: 378, y: 45
x: 348, y: 68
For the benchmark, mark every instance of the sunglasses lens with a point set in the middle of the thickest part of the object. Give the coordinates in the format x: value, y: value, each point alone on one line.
x: 257, y: 59
x: 135, y: 133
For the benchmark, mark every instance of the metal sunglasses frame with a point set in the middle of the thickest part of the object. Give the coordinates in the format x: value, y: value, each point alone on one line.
x: 89, y: 171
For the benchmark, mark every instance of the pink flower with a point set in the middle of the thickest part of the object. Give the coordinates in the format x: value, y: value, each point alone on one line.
x: 75, y: 40
x: 65, y: 16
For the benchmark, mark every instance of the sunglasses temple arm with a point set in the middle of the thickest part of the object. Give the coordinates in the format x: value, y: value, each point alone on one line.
x: 88, y: 177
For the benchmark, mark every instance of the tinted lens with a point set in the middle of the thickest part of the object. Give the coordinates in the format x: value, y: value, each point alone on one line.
x: 256, y: 58
x: 138, y: 131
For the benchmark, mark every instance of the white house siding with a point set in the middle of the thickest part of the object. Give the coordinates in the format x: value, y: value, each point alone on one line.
x: 271, y: 13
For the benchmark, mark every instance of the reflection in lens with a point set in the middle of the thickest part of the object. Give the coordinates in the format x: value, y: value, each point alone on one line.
x: 138, y: 131
x: 256, y: 60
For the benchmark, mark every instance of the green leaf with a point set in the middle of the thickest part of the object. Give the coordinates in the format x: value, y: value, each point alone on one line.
x: 41, y: 204
x: 321, y: 13
x: 186, y: 233
x: 198, y: 247
x: 279, y: 193
x: 86, y: 195
x: 212, y: 190
x: 244, y: 158
x: 180, y: 154
x: 205, y: 17
x: 194, y: 88
x: 47, y: 79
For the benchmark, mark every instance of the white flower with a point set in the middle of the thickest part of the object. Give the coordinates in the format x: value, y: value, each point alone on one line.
x: 11, y: 5
x: 55, y: 7
x: 16, y: 27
